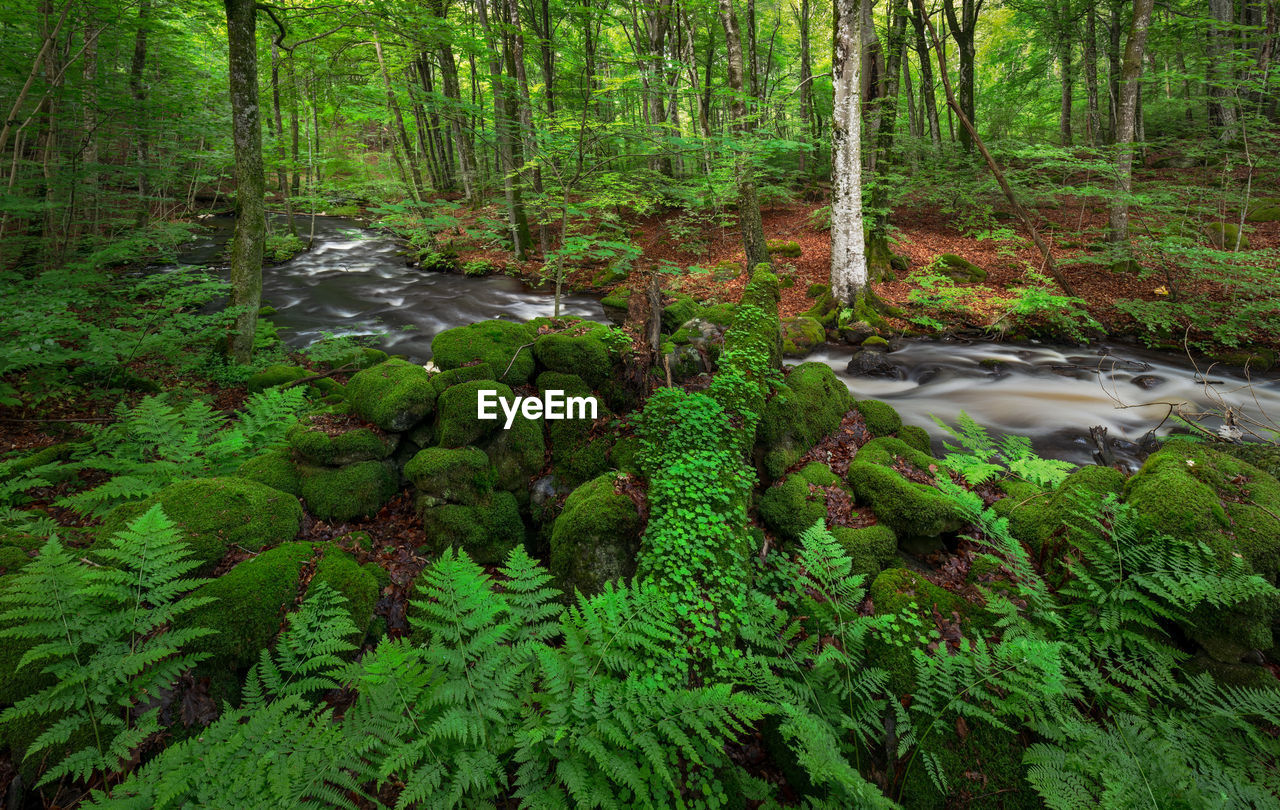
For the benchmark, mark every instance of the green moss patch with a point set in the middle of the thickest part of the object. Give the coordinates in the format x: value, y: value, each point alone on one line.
x: 810, y: 406
x: 596, y: 539
x: 801, y: 335
x: 487, y: 531
x: 789, y: 249
x: 275, y: 469
x: 463, y: 475
x: 340, y: 571
x: 960, y: 268
x: 584, y: 355
x: 336, y: 439
x: 881, y: 418
x: 394, y: 395
x: 456, y: 421
x: 501, y: 344
x: 345, y: 493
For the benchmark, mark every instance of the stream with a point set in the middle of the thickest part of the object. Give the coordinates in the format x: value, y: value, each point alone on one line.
x: 354, y: 281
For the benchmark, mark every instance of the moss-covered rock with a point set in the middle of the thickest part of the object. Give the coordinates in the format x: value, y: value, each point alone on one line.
x: 916, y: 437
x: 909, y: 508
x: 215, y: 514
x: 576, y: 455
x: 801, y: 335
x: 679, y: 312
x: 615, y: 305
x: 1265, y: 457
x: 585, y: 355
x: 338, y: 494
x: 463, y: 475
x: 789, y: 249
x: 792, y: 506
x: 810, y: 406
x: 1224, y: 235
x: 596, y: 539
x: 340, y: 571
x: 248, y: 606
x: 333, y: 439
x: 487, y: 531
x: 394, y: 395
x: 881, y: 418
x: 960, y: 268
x: 276, y: 469
x: 503, y: 345
x: 1266, y: 210
x: 516, y: 455
x: 457, y: 422
x: 1257, y: 359
x: 871, y: 549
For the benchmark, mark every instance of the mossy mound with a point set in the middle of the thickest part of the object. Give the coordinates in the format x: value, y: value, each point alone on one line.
x: 215, y: 514
x: 788, y: 249
x: 871, y: 549
x: 271, y: 376
x: 1264, y: 211
x: 275, y: 469
x: 1265, y: 457
x: 457, y: 422
x: 585, y: 355
x: 794, y: 505
x: 500, y: 344
x: 808, y: 407
x: 340, y: 571
x: 487, y: 531
x: 960, y: 268
x: 679, y: 312
x: 1224, y: 235
x: 1044, y: 521
x: 1194, y: 492
x: 330, y: 439
x: 463, y: 475
x: 881, y: 418
x: 1258, y: 359
x: 249, y: 604
x: 394, y: 395
x: 909, y: 508
x: 517, y: 454
x: 916, y: 437
x: 905, y: 592
x: 338, y: 494
x: 801, y: 335
x: 615, y: 305
x: 596, y: 539
x: 444, y: 380
x: 576, y: 456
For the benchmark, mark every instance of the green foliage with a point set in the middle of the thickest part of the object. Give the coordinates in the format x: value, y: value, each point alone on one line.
x: 156, y: 442
x: 980, y: 458
x: 1038, y: 309
x: 104, y: 635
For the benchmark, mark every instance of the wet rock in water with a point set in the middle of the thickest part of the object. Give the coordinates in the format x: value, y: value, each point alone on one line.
x: 1147, y: 381
x: 871, y: 362
x: 928, y: 374
x: 801, y: 335
x: 855, y: 333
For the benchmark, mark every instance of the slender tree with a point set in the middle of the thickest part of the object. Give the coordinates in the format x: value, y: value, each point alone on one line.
x: 849, y: 281
x: 748, y: 203
x: 1119, y: 220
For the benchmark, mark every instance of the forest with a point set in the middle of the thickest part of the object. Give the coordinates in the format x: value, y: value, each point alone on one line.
x: 640, y: 404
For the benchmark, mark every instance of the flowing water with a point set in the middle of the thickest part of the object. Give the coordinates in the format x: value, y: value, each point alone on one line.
x: 355, y: 282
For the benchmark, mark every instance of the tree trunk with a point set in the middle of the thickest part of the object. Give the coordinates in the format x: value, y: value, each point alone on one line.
x: 282, y: 174
x: 1092, y: 124
x: 806, y: 91
x: 1132, y: 68
x: 963, y: 30
x: 246, y: 135
x: 748, y: 204
x: 879, y: 257
x: 89, y: 121
x: 453, y: 92
x: 1113, y: 71
x: 412, y: 179
x: 928, y: 97
x: 1064, y: 24
x: 528, y: 143
x: 142, y: 130
x: 849, y: 282
x: 505, y: 131
x: 1222, y: 106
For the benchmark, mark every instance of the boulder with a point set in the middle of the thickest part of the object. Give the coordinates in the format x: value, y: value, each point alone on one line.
x: 596, y: 539
x: 394, y: 395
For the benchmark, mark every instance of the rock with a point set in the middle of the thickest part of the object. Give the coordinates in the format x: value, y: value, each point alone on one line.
x: 808, y: 407
x: 275, y: 469
x: 215, y: 514
x: 571, y: 353
x: 456, y: 417
x: 909, y: 508
x: 1264, y: 211
x: 1223, y: 235
x: 960, y: 268
x: 338, y: 494
x: 880, y: 417
x: 596, y: 539
x: 792, y: 506
x: 487, y: 531
x: 501, y: 344
x: 856, y: 333
x: 333, y: 439
x: 272, y: 376
x: 785, y: 248
x: 679, y: 312
x: 443, y: 475
x: 873, y: 362
x: 871, y: 549
x: 394, y: 395
x: 801, y: 335
x: 1147, y: 381
x: 615, y: 306
x: 340, y: 571
x: 702, y: 334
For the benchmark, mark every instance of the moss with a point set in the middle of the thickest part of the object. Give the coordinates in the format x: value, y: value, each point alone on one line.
x: 1223, y: 235
x: 870, y: 549
x: 247, y: 607
x: 48, y: 455
x: 1256, y: 359
x: 801, y: 335
x: 916, y: 437
x: 881, y: 418
x: 340, y: 571
x: 271, y: 376
x: 445, y: 380
x: 719, y: 314
x: 762, y: 290
x: 679, y: 312
x: 462, y: 475
x: 784, y: 248
x: 960, y: 268
x: 496, y: 342
x: 215, y: 514
x: 910, y: 509
x: 517, y: 454
x: 457, y: 423
x: 596, y: 539
x: 1269, y: 211
x: 615, y: 305
x: 316, y: 446
x: 339, y: 494
x: 13, y: 558
x: 585, y: 355
x: 624, y: 455
x: 394, y: 395
x: 874, y: 342
x: 825, y: 309
x: 275, y: 469
x: 576, y: 456
x: 487, y: 531
x: 819, y: 474
x: 904, y: 592
x: 817, y: 290
x: 808, y: 407
x: 791, y: 507
x: 1265, y: 457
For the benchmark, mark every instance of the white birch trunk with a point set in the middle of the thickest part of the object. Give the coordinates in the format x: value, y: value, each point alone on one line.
x: 848, y: 245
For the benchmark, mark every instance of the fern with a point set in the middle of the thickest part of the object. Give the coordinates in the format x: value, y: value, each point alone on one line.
x: 980, y: 458
x: 104, y: 635
x: 308, y: 655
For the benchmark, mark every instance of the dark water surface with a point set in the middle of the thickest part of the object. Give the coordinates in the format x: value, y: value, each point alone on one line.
x: 354, y: 282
